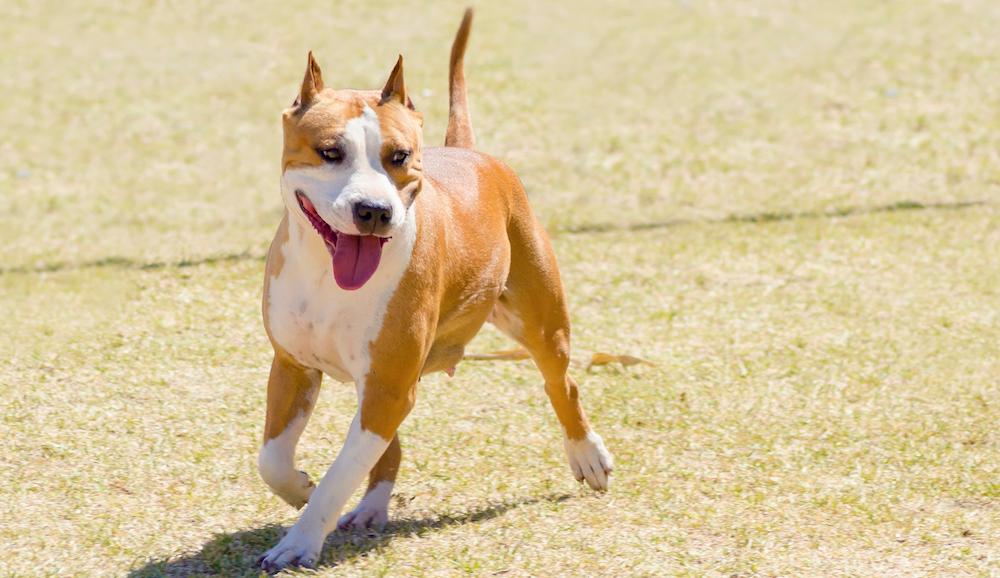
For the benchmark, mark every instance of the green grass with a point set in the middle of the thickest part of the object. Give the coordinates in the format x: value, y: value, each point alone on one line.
x: 792, y: 209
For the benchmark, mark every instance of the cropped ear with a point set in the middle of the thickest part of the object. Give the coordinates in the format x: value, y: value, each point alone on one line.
x: 312, y: 84
x: 395, y: 88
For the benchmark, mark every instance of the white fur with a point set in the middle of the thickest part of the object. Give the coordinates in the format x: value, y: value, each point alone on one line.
x: 590, y: 460
x: 317, y: 322
x: 372, y: 511
x: 303, y: 542
x: 329, y: 328
x: 276, y: 463
x: 309, y: 315
x: 334, y: 189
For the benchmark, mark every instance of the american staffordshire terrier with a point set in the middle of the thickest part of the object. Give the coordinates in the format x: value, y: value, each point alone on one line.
x: 389, y: 259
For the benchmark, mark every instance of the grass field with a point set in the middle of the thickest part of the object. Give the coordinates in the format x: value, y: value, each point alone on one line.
x: 791, y: 208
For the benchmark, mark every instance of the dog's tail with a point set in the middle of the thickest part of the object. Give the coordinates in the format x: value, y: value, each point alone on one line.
x: 459, y: 124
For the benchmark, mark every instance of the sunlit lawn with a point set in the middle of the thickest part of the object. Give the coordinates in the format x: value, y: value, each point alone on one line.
x: 791, y: 209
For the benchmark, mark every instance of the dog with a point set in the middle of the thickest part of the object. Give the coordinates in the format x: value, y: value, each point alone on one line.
x: 389, y: 259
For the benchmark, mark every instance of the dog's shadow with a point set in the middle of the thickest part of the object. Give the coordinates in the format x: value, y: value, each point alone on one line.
x: 236, y: 553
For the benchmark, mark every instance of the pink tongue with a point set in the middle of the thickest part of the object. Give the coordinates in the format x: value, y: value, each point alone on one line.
x: 356, y: 259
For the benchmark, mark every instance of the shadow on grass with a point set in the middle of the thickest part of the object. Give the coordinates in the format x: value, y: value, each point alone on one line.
x: 767, y: 217
x: 236, y: 553
x: 126, y: 263
x: 774, y: 217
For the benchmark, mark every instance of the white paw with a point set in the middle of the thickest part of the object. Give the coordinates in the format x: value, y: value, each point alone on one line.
x: 297, y: 548
x: 362, y: 518
x: 372, y: 511
x: 590, y: 460
x: 295, y: 491
x: 276, y: 469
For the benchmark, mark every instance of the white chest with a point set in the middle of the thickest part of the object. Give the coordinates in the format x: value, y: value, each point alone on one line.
x: 321, y: 325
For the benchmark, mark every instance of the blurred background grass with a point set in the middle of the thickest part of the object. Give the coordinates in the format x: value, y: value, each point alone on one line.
x: 150, y: 130
x: 826, y: 389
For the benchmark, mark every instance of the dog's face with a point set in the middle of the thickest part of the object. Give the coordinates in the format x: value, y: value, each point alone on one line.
x: 351, y: 168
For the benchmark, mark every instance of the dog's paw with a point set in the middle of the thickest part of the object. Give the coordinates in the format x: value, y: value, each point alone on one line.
x: 297, y: 492
x: 297, y: 548
x: 590, y: 461
x: 372, y: 511
x: 291, y: 485
x: 364, y: 517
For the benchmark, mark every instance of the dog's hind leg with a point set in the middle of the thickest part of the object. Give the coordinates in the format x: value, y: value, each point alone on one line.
x: 291, y: 395
x: 373, y: 509
x: 532, y: 310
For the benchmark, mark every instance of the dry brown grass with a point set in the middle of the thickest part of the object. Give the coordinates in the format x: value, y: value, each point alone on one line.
x: 787, y: 240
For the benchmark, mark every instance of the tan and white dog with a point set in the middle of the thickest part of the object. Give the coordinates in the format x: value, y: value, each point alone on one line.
x: 389, y: 259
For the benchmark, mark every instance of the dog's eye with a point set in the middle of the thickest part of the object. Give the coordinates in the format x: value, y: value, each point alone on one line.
x: 399, y: 157
x: 333, y: 154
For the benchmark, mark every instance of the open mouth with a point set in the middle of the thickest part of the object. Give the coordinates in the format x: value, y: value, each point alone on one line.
x: 355, y: 257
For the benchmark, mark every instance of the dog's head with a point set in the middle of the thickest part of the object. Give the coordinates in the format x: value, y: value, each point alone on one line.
x: 351, y: 168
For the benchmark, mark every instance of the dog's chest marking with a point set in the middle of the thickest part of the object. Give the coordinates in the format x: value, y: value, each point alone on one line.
x: 321, y: 325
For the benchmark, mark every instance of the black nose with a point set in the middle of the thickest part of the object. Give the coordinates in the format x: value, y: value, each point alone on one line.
x: 372, y: 216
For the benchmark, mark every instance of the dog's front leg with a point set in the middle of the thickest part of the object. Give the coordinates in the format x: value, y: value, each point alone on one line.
x: 380, y: 411
x: 373, y: 509
x: 291, y: 395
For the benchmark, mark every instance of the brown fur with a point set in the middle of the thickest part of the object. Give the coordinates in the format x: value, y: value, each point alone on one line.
x: 388, y: 465
x: 479, y: 254
x: 460, y: 132
x: 273, y: 265
x: 290, y: 391
x: 442, y: 303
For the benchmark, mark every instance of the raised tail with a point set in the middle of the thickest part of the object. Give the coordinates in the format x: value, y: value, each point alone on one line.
x: 459, y: 124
